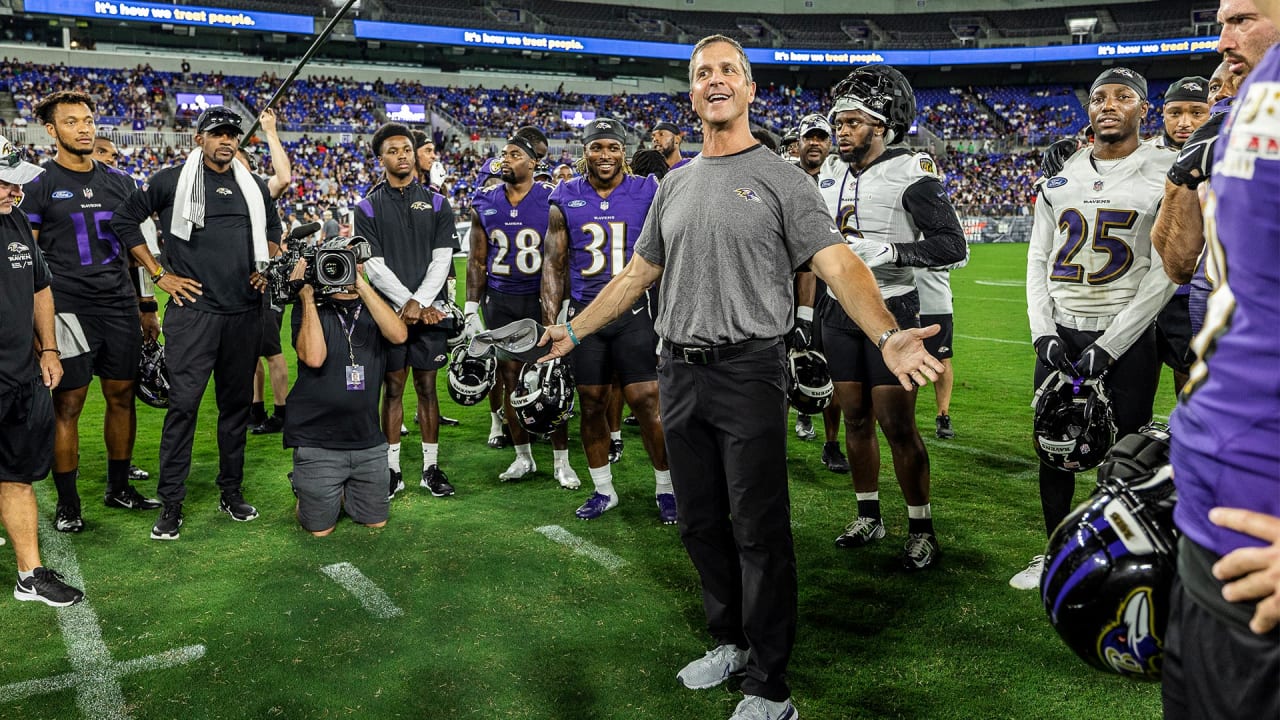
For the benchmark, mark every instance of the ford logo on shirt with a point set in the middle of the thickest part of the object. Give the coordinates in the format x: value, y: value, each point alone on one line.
x: 490, y: 211
x: 1057, y: 182
x: 62, y: 195
x: 827, y: 183
x: 577, y: 203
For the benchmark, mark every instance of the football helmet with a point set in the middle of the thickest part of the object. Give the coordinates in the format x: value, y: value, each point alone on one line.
x: 152, y: 386
x: 809, y: 386
x: 455, y: 325
x: 1074, y: 424
x: 471, y: 377
x: 1110, y: 563
x: 883, y: 93
x: 543, y: 396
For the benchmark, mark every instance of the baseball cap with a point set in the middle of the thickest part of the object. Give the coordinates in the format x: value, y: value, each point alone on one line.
x: 668, y: 126
x: 543, y: 170
x: 13, y: 169
x: 420, y: 138
x: 812, y: 122
x: 1193, y: 89
x: 1122, y: 76
x: 604, y: 128
x: 216, y: 117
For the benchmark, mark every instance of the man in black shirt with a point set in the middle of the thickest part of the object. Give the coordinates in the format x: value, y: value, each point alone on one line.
x: 26, y: 411
x: 339, y: 450
x: 219, y: 228
x: 70, y: 207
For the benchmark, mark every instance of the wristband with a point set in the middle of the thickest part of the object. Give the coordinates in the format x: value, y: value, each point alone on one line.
x: 568, y: 327
x: 148, y: 306
x: 470, y: 307
x: 804, y: 312
x: 159, y: 273
x: 884, y: 338
x: 55, y: 351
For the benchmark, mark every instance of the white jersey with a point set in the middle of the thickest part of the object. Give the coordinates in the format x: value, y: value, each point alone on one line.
x: 1091, y: 265
x: 869, y: 205
x: 934, y: 285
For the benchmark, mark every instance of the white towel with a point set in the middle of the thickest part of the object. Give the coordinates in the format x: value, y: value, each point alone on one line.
x: 189, y: 204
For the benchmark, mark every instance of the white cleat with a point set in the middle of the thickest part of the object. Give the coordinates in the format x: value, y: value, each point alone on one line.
x: 567, y: 478
x: 519, y: 470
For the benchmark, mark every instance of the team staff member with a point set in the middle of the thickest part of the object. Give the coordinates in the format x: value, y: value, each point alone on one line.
x: 411, y: 231
x: 69, y: 208
x: 26, y: 411
x: 724, y: 236
x: 218, y: 226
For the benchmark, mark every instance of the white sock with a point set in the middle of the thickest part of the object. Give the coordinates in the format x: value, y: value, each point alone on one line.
x: 560, y: 457
x: 524, y: 452
x: 430, y: 454
x: 602, y: 477
x: 662, y: 483
x: 26, y: 575
x: 919, y: 512
x: 393, y: 456
x: 615, y: 435
x: 874, y: 495
x: 495, y: 424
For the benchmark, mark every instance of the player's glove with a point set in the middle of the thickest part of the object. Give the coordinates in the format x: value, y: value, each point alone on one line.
x: 1093, y: 362
x: 801, y: 336
x: 1055, y: 156
x: 471, y: 324
x: 1052, y: 353
x: 1195, y: 161
x: 874, y: 254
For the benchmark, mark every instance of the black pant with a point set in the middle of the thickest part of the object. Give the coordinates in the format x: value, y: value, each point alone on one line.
x: 727, y: 444
x: 1130, y: 383
x: 198, y: 344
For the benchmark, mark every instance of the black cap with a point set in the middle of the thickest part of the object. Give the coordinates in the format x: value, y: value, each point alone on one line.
x: 604, y: 128
x: 668, y: 126
x: 1122, y: 76
x: 525, y: 145
x: 218, y: 116
x: 420, y: 138
x: 1193, y: 89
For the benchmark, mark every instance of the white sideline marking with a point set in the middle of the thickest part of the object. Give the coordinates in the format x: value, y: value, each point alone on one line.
x: 994, y: 340
x: 1001, y: 283
x: 555, y: 533
x: 95, y: 676
x: 369, y: 594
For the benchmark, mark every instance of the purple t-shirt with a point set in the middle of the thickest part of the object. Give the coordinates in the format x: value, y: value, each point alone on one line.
x: 514, y: 265
x: 1226, y: 435
x: 602, y: 231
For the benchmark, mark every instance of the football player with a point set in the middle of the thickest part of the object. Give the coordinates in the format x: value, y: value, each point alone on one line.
x: 890, y: 205
x: 504, y: 276
x: 1094, y: 281
x: 593, y: 226
x: 666, y: 137
x: 70, y: 208
x: 1186, y: 107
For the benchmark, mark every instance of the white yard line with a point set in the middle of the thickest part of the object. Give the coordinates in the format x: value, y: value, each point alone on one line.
x: 369, y: 594
x: 557, y: 534
x: 991, y: 339
x: 1001, y: 283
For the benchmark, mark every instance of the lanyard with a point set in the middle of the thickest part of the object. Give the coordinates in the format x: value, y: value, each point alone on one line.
x: 349, y: 331
x: 857, y: 181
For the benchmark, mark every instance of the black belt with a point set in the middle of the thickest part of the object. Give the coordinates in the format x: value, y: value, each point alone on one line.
x: 706, y: 355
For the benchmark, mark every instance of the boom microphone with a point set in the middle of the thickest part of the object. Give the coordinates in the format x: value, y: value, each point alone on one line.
x: 304, y: 230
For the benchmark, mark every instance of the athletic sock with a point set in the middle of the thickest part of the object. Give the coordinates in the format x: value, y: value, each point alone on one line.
x: 524, y: 452
x: 393, y: 456
x: 117, y: 475
x: 27, y: 575
x: 257, y: 413
x: 495, y: 424
x: 430, y: 454
x: 602, y: 477
x: 559, y: 458
x: 920, y: 518
x: 279, y: 410
x: 65, y: 482
x: 869, y: 504
x: 615, y: 435
x: 662, y: 483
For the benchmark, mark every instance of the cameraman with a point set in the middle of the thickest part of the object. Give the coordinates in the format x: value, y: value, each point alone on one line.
x: 333, y: 425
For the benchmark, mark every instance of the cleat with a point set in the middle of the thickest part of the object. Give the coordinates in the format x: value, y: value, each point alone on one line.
x: 448, y: 420
x: 718, y: 665
x: 434, y: 479
x: 615, y: 450
x: 130, y: 499
x: 943, y: 425
x: 273, y: 424
x: 166, y: 527
x: 804, y: 427
x: 595, y: 506
x: 754, y: 707
x: 497, y: 441
x: 666, y: 508
x: 567, y: 478
x: 862, y: 531
x: 137, y: 474
x: 835, y: 460
x: 396, y: 484
x: 67, y: 519
x: 631, y: 420
x: 233, y: 504
x: 921, y: 551
x: 520, y: 469
x: 46, y: 586
x: 404, y: 429
x: 1029, y: 579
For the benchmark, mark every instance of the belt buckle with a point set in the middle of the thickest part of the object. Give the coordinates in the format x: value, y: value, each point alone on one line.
x: 697, y: 355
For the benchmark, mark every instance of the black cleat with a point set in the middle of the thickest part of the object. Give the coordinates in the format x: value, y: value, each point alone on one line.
x: 631, y: 420
x: 166, y: 527
x: 273, y: 424
x: 67, y: 518
x: 137, y: 474
x: 943, y: 423
x: 448, y: 420
x: 434, y: 479
x: 130, y: 499
x: 835, y: 460
x: 397, y: 483
x: 233, y: 504
x: 615, y: 450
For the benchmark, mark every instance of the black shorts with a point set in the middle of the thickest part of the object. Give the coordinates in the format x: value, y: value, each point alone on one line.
x: 115, y: 347
x: 425, y: 349
x: 1173, y: 334
x: 851, y: 355
x: 503, y: 308
x: 939, y: 345
x: 26, y: 433
x: 626, y: 348
x: 271, y: 321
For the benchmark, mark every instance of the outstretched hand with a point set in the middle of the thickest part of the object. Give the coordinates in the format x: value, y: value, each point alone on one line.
x: 557, y: 341
x: 907, y: 359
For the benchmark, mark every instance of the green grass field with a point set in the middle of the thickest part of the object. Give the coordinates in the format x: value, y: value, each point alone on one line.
x: 497, y: 621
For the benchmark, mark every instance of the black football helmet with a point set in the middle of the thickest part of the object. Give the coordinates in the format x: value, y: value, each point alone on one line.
x: 1074, y: 424
x: 152, y: 386
x: 455, y: 326
x: 880, y: 91
x: 471, y: 377
x: 543, y: 396
x: 1110, y: 563
x: 809, y: 386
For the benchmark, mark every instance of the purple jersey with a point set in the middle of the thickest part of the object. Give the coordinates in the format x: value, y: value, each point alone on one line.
x: 602, y: 231
x: 515, y: 237
x: 1226, y: 435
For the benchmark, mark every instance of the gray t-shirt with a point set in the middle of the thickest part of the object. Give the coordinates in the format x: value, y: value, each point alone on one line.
x: 730, y: 232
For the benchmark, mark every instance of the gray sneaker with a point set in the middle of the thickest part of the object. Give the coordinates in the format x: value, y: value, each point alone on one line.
x: 862, y: 531
x: 713, y: 668
x: 754, y: 707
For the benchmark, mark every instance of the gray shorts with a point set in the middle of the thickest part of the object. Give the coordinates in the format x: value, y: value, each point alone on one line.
x: 326, y: 481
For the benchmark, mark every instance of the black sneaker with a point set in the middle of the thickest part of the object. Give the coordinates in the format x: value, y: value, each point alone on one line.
x: 166, y: 527
x: 130, y: 499
x: 631, y: 420
x: 943, y: 423
x: 233, y: 504
x: 397, y: 483
x: 615, y: 450
x: 833, y: 458
x: 67, y: 518
x: 137, y: 474
x: 434, y: 479
x: 47, y: 587
x: 273, y: 424
x: 448, y: 420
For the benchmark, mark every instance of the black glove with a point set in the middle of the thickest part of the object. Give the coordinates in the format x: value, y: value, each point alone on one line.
x: 1055, y: 156
x: 1195, y: 161
x: 1052, y: 353
x: 1093, y: 362
x: 801, y: 336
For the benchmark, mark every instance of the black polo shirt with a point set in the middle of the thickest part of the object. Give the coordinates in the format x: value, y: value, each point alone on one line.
x: 404, y: 226
x: 23, y: 272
